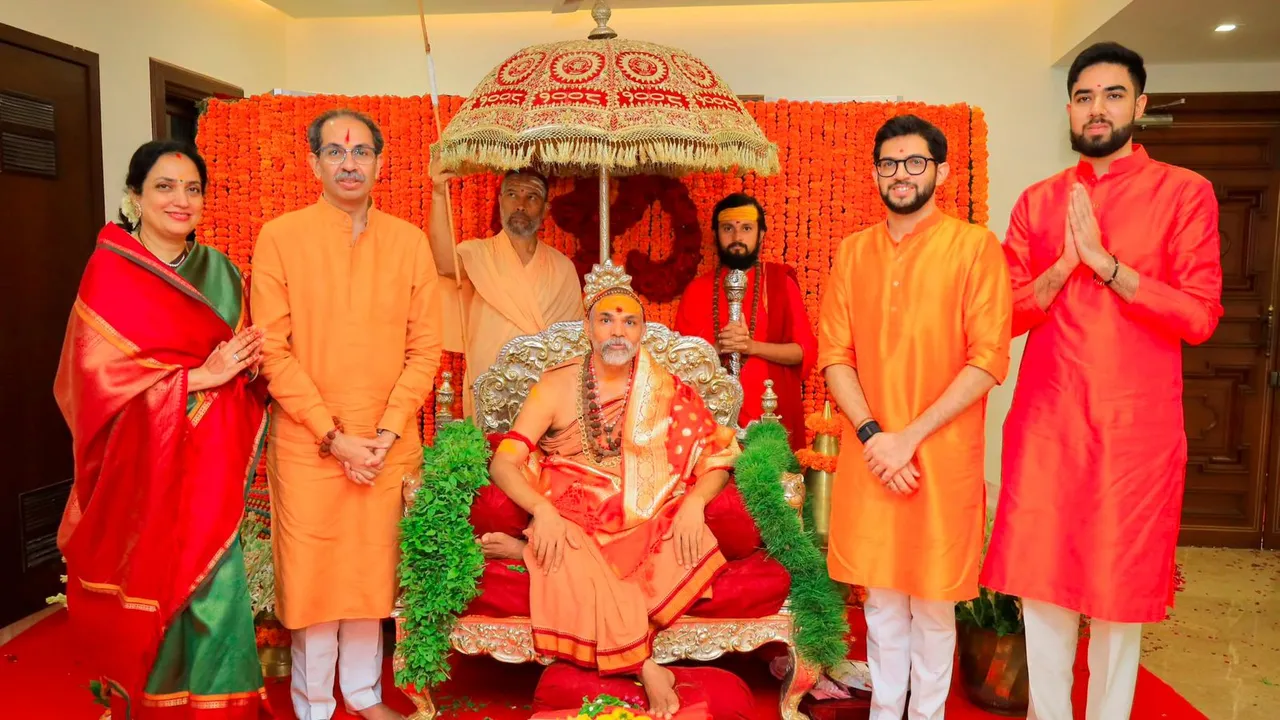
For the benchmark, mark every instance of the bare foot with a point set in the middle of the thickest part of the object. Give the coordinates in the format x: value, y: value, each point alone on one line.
x: 660, y: 687
x: 380, y: 712
x: 501, y: 546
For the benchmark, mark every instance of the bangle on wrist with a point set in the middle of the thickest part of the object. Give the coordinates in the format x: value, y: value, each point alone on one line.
x: 1115, y: 270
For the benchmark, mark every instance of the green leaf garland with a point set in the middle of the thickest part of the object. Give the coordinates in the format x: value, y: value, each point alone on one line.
x: 817, y: 608
x: 440, y: 561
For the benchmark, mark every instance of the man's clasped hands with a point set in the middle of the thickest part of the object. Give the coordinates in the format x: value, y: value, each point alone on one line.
x: 362, y: 458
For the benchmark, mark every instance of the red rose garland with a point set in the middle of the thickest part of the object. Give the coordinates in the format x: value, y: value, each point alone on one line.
x: 578, y: 213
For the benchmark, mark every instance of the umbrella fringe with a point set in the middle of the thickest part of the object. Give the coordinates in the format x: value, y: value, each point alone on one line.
x: 586, y: 155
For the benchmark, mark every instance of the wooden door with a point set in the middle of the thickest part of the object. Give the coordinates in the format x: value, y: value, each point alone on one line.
x: 1230, y: 381
x: 51, y: 182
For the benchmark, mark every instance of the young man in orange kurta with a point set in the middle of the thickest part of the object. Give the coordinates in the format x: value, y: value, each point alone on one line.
x: 508, y: 285
x: 774, y: 338
x: 348, y: 298
x: 913, y: 333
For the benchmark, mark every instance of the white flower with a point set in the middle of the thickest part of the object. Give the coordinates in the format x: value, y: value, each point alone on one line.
x: 129, y: 209
x: 59, y: 599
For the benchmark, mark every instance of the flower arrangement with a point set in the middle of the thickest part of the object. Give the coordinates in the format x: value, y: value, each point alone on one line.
x: 825, y: 190
x: 608, y: 707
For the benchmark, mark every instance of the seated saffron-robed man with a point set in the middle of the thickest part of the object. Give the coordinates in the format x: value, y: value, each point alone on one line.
x: 615, y: 458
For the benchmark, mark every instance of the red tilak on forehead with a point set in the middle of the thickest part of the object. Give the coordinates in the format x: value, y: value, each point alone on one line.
x: 348, y: 138
x: 178, y: 155
x: 618, y: 309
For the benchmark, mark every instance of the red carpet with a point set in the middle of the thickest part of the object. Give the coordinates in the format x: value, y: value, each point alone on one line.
x: 41, y: 676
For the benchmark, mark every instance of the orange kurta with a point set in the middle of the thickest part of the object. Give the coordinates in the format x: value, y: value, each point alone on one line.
x: 502, y: 299
x: 353, y: 332
x: 623, y: 581
x: 909, y: 317
x: 1095, y: 447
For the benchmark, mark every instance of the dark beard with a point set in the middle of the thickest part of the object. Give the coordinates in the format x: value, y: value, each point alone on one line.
x: 922, y: 198
x: 734, y: 261
x: 1101, y: 147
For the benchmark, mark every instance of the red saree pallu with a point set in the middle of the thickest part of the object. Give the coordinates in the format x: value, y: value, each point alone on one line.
x: 159, y: 476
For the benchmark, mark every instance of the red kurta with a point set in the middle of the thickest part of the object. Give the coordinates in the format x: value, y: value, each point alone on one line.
x: 1095, y: 449
x: 781, y: 319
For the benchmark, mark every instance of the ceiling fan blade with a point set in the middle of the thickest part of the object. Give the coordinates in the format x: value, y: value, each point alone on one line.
x: 565, y: 6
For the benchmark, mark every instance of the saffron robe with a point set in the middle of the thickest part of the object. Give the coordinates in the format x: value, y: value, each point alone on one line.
x: 909, y: 316
x: 780, y: 318
x: 502, y: 299
x: 1095, y: 449
x: 623, y: 583
x: 352, y: 332
x: 156, y: 586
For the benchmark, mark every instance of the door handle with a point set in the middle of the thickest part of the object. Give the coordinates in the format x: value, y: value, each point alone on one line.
x: 1269, y: 324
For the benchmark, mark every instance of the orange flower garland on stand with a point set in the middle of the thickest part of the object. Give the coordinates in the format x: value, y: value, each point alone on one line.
x: 256, y: 150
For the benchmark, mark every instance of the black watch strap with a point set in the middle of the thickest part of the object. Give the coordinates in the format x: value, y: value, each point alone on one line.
x: 868, y: 430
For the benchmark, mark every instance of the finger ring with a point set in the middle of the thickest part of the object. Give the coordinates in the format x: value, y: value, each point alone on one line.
x: 235, y: 356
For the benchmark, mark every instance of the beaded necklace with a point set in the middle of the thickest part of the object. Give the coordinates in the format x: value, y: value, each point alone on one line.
x: 603, y: 442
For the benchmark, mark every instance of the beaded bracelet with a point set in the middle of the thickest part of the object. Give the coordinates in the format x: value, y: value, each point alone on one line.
x: 326, y: 442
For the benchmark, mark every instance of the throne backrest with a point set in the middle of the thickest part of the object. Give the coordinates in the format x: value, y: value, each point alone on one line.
x: 501, y: 390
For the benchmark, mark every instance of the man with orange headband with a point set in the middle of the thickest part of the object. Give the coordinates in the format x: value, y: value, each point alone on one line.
x: 616, y: 482
x: 775, y: 338
x: 508, y: 285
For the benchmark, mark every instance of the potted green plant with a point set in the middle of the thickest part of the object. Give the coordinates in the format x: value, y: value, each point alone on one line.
x: 992, y: 643
x: 993, y: 652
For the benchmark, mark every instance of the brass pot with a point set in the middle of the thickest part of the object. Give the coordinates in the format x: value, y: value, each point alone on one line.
x: 276, y: 662
x: 993, y: 670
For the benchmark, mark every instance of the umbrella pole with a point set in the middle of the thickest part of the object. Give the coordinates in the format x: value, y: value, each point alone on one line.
x: 448, y: 199
x: 605, y: 257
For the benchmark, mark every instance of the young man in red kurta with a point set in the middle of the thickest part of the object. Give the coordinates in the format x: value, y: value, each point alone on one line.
x: 1114, y: 265
x: 775, y: 339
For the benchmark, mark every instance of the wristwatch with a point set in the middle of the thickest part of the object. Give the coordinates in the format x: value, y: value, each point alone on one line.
x: 868, y: 430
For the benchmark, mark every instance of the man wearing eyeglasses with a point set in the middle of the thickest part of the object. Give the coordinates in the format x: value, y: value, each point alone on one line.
x: 912, y: 334
x: 347, y: 296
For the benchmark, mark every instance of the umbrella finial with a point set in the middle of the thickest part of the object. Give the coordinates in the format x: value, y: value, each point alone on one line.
x: 600, y: 12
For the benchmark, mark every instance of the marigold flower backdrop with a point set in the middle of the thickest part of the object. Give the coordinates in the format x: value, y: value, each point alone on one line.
x: 256, y: 150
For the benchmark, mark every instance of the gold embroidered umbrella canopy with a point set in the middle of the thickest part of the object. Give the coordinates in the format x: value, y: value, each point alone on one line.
x: 604, y: 106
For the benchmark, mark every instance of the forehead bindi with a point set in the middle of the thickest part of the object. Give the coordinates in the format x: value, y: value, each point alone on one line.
x: 347, y: 132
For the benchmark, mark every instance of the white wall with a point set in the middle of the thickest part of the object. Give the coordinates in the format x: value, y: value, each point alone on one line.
x: 237, y: 41
x: 1214, y: 77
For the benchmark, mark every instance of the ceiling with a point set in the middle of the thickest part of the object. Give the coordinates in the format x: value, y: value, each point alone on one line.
x: 1181, y: 31
x: 372, y: 8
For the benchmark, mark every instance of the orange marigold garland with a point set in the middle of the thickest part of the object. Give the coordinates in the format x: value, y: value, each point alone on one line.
x: 826, y: 190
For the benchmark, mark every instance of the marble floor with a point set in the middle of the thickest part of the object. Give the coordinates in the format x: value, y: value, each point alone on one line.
x: 1220, y: 647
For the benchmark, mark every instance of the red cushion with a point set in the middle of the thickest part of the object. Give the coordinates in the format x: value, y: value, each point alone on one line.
x: 563, y: 686
x: 727, y: 517
x: 493, y: 511
x: 731, y: 524
x: 755, y: 586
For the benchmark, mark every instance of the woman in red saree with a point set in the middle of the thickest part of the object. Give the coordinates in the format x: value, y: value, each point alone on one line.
x: 155, y: 383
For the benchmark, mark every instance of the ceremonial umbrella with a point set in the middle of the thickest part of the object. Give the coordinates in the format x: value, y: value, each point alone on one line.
x: 604, y: 106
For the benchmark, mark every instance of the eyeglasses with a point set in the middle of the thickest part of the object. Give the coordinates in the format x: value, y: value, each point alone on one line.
x: 916, y: 164
x: 336, y: 154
